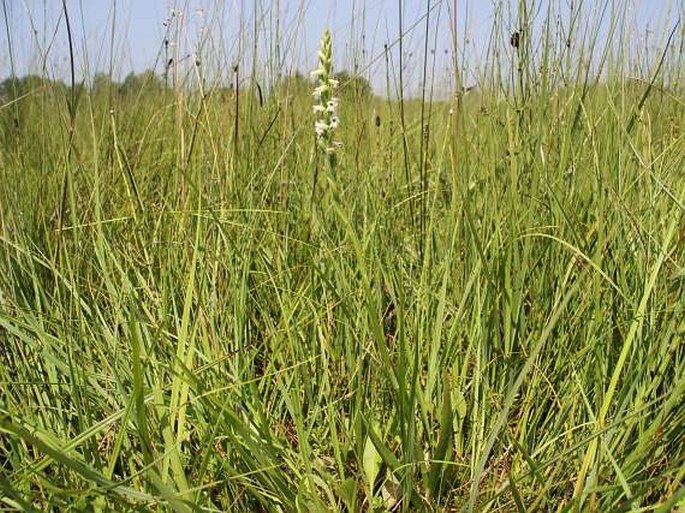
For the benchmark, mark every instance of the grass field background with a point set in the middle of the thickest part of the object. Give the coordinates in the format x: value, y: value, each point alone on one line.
x: 480, y: 307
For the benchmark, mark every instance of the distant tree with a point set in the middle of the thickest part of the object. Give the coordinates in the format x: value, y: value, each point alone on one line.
x: 26, y: 88
x: 7, y: 88
x: 103, y: 84
x: 353, y: 86
x: 19, y: 86
x: 295, y: 84
x: 146, y: 82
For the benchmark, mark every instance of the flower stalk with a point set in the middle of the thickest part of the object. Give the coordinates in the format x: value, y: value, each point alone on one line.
x: 326, y: 103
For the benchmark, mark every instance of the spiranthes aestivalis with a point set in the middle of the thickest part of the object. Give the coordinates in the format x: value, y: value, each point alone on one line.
x: 325, y: 101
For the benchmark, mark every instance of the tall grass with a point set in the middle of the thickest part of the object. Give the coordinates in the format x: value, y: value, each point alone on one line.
x: 487, y: 316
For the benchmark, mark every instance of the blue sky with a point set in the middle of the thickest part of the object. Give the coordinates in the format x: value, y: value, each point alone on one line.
x: 220, y: 34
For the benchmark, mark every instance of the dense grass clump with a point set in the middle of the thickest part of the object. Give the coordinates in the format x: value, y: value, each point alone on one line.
x: 479, y: 307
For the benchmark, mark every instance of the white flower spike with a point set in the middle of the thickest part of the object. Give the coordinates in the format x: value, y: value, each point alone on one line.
x: 326, y: 105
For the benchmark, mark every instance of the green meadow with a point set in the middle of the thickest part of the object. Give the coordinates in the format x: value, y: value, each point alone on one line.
x: 475, y: 302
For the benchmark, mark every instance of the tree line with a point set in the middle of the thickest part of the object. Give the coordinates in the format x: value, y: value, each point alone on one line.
x: 149, y: 82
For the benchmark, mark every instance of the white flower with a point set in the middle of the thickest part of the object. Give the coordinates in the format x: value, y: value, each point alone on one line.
x: 320, y: 128
x: 326, y: 104
x: 319, y: 91
x: 332, y: 105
